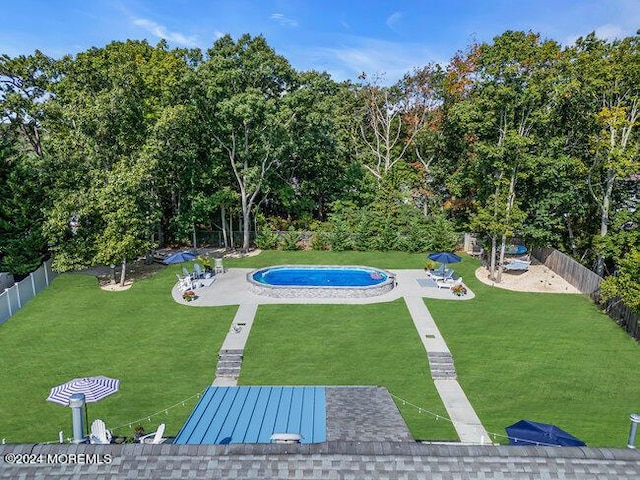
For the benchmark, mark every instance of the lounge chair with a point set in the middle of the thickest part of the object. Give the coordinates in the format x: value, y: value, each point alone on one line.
x: 154, y: 438
x: 438, y: 272
x: 447, y: 276
x: 99, y: 434
x: 448, y: 283
x: 516, y: 265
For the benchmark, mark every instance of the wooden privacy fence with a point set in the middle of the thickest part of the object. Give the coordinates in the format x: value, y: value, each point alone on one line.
x: 573, y: 272
x: 14, y: 298
x: 588, y: 282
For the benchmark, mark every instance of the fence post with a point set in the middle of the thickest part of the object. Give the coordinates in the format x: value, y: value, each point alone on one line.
x: 6, y: 294
x: 33, y: 283
x: 46, y: 272
x: 17, y: 287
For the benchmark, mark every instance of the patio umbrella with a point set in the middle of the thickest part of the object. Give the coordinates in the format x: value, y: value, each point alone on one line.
x: 445, y: 257
x: 94, y: 389
x: 526, y: 432
x: 179, y: 258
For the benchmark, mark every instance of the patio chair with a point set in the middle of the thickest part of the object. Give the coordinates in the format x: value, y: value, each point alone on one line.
x: 154, y: 438
x: 448, y: 283
x: 184, y: 283
x: 438, y: 272
x: 197, y: 271
x: 218, y: 266
x: 446, y: 276
x: 99, y: 434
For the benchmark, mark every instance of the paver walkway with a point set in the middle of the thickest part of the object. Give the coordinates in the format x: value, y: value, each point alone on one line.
x: 464, y: 418
x: 232, y: 351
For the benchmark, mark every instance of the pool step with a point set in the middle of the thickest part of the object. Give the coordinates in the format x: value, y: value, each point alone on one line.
x: 441, y: 365
x: 229, y: 363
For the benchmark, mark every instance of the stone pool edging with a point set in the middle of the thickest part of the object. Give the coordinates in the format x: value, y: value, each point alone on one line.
x: 305, y: 291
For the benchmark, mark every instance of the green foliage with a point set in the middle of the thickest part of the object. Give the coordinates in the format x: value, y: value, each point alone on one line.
x: 389, y: 224
x: 625, y: 284
x: 289, y: 240
x: 266, y: 239
x: 320, y: 240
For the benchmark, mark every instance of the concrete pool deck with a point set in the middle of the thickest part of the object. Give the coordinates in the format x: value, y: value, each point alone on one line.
x: 232, y: 288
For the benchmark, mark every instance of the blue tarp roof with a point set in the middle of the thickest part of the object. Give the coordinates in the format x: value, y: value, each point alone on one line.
x: 252, y: 414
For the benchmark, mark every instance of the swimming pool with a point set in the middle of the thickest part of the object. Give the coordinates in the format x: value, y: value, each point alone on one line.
x: 320, y: 280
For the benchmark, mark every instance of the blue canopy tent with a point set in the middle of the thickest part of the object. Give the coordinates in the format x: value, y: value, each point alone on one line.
x: 179, y: 258
x: 526, y: 432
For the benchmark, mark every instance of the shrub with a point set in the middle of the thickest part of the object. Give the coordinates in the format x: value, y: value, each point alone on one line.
x: 320, y: 241
x: 289, y: 240
x: 266, y: 239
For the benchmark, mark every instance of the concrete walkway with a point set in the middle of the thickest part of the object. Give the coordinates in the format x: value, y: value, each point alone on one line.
x: 232, y: 350
x: 464, y: 418
x: 231, y: 288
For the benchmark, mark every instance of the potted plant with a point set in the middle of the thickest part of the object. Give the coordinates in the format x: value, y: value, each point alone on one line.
x: 429, y: 265
x: 459, y: 290
x: 189, y: 295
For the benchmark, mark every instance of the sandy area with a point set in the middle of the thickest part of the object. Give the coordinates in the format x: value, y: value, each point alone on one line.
x: 537, y: 279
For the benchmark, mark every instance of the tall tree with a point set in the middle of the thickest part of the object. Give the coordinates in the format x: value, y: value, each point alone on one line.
x: 607, y: 82
x: 512, y: 97
x: 244, y: 84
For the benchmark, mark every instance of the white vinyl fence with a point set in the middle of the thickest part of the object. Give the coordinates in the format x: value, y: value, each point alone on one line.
x: 15, y: 297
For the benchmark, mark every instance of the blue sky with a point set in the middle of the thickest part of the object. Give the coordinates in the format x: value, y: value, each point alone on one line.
x: 343, y: 37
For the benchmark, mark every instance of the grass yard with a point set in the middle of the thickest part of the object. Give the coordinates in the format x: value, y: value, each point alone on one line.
x: 545, y: 357
x: 346, y: 345
x: 552, y: 358
x: 162, y: 353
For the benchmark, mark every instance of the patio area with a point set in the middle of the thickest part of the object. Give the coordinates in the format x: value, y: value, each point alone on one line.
x: 232, y: 288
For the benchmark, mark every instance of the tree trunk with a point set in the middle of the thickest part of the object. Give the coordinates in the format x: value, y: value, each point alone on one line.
x: 123, y: 273
x: 492, y: 261
x: 604, y: 217
x: 501, y: 263
x: 195, y: 244
x: 246, y: 224
x: 225, y: 232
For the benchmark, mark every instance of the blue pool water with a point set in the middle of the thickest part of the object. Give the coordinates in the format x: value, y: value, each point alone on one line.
x: 320, y: 276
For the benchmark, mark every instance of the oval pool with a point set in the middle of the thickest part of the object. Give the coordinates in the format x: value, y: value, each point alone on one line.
x: 320, y: 280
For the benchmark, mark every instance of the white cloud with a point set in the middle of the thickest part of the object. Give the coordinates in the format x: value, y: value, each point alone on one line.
x: 282, y: 20
x: 374, y: 57
x: 394, y: 20
x: 218, y: 34
x: 161, y: 31
x: 610, y: 32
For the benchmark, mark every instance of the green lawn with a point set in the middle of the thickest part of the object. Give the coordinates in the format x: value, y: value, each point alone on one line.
x: 546, y: 357
x: 162, y: 353
x: 543, y: 357
x: 346, y: 345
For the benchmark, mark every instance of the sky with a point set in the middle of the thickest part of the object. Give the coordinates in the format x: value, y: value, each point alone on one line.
x: 342, y: 37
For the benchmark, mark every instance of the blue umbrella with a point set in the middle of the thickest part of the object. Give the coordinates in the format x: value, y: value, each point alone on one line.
x: 526, y: 432
x: 444, y: 257
x: 179, y: 258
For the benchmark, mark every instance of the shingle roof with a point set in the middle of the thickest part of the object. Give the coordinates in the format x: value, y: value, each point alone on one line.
x: 334, y: 459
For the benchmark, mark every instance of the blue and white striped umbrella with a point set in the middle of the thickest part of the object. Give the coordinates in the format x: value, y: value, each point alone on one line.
x: 94, y: 389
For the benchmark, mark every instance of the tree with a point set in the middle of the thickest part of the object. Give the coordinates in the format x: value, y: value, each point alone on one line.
x: 244, y: 84
x: 391, y: 118
x: 608, y: 75
x: 511, y: 97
